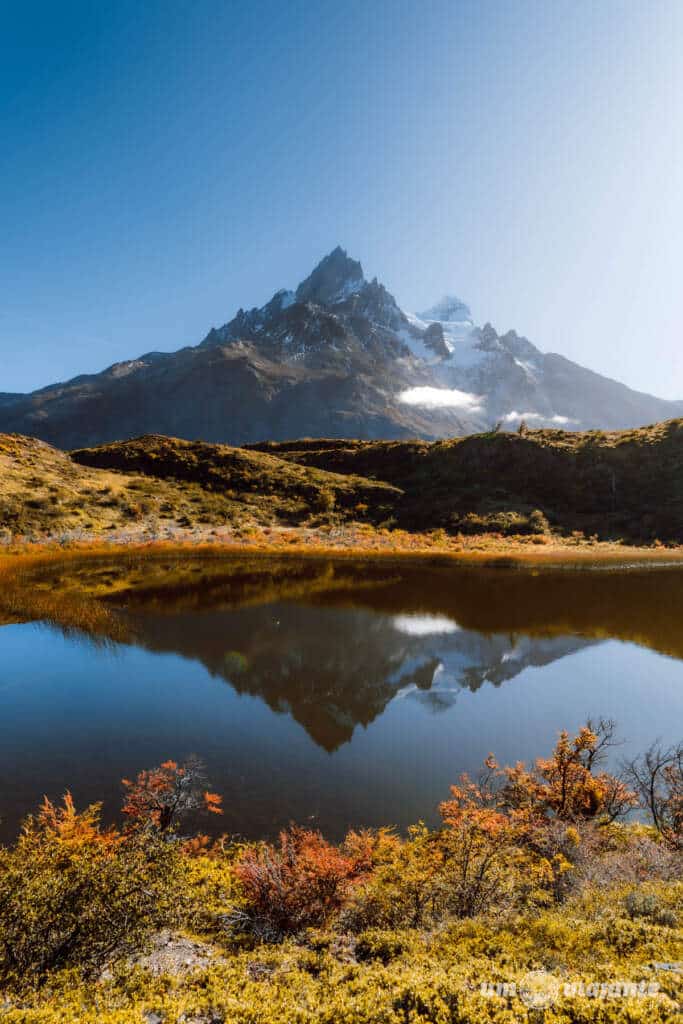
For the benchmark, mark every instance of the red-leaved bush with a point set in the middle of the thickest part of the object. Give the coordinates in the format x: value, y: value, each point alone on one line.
x: 294, y: 884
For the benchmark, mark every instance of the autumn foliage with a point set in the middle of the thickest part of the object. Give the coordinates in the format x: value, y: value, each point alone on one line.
x: 567, y: 786
x: 516, y: 840
x: 529, y: 818
x: 163, y: 797
x: 299, y: 881
x: 73, y: 893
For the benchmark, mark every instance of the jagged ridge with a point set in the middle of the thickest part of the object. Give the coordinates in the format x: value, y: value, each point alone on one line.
x: 336, y: 357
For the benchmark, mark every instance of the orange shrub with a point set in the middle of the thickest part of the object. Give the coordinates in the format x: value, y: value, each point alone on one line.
x: 295, y: 884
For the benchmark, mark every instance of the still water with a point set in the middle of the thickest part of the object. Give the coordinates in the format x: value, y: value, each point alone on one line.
x: 339, y: 695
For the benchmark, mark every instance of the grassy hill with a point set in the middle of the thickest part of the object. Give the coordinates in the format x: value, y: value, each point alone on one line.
x: 621, y: 485
x: 157, y: 480
x: 251, y: 475
x: 624, y: 484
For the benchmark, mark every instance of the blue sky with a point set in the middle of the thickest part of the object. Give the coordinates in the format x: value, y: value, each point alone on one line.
x: 163, y: 163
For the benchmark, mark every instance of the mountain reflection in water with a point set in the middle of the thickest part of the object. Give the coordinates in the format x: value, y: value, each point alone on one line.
x: 400, y: 676
x: 335, y: 668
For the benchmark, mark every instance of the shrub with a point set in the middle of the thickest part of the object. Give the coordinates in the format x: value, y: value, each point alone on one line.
x: 568, y: 785
x: 375, y: 944
x: 657, y: 777
x: 647, y: 905
x: 72, y: 894
x: 623, y: 854
x: 505, y: 523
x: 406, y: 888
x: 525, y: 819
x: 213, y: 890
x: 293, y: 885
x: 486, y: 853
x: 538, y: 522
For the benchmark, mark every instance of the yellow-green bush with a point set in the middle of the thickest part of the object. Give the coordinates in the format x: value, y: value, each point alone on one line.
x: 72, y: 894
x: 420, y: 977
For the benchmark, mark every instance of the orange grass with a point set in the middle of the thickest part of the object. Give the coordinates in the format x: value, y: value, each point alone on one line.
x: 27, y: 559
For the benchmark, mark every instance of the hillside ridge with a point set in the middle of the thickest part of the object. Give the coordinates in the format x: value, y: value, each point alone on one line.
x: 621, y: 485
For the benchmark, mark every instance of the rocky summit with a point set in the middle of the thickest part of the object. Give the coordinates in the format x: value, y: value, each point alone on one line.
x: 336, y: 357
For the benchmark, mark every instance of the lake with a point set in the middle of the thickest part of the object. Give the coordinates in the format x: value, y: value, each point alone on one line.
x: 335, y: 694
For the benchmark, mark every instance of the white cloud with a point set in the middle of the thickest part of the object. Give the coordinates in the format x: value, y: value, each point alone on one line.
x: 442, y: 398
x: 537, y: 417
x: 424, y: 625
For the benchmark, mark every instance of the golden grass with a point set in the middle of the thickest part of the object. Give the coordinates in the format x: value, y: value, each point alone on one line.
x: 23, y: 599
x: 350, y: 542
x: 344, y: 544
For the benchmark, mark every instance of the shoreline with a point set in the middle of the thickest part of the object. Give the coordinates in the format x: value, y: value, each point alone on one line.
x: 475, y: 551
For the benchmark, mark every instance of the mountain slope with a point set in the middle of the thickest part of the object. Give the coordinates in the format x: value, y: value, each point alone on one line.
x: 339, y: 358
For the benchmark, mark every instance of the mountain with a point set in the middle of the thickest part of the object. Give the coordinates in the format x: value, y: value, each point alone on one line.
x: 337, y: 357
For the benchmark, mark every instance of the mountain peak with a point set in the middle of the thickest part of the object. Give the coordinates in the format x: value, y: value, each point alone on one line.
x: 449, y: 309
x: 335, y: 278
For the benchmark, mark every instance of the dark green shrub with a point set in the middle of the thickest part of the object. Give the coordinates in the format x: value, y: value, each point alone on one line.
x: 538, y: 523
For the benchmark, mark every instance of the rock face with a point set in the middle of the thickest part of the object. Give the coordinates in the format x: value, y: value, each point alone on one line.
x: 337, y: 358
x: 336, y: 278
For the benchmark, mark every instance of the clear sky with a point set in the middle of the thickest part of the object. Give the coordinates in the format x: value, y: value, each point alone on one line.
x: 164, y: 162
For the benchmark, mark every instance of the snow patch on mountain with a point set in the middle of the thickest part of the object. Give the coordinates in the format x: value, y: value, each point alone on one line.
x: 442, y: 398
x: 530, y: 369
x: 459, y: 336
x: 416, y: 345
x: 454, y: 316
x: 347, y: 289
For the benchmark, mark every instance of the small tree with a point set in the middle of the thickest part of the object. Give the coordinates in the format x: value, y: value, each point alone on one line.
x: 161, y: 797
x: 568, y: 784
x: 484, y: 841
x: 524, y: 820
x: 657, y: 777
